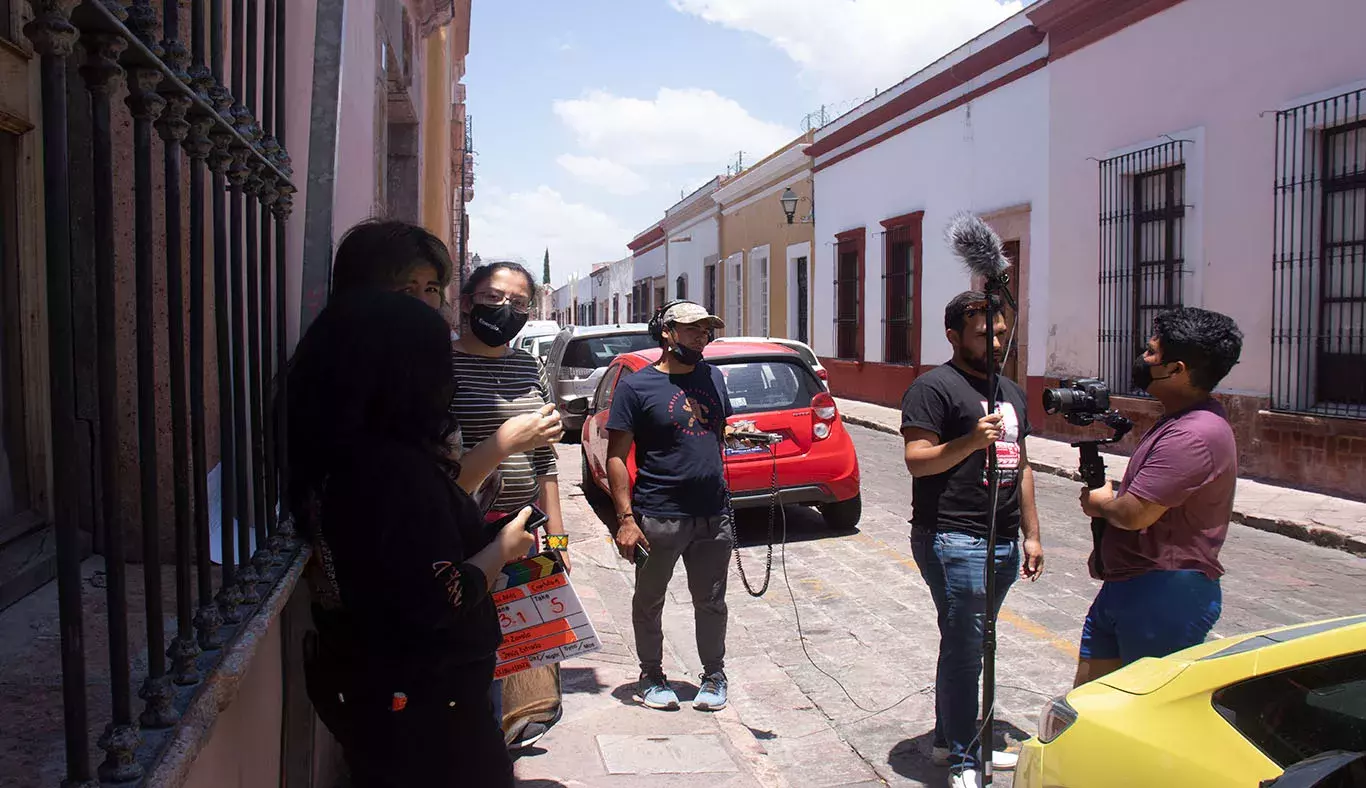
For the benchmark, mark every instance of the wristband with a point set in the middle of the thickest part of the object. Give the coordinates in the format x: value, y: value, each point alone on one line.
x: 626, y: 516
x: 557, y: 542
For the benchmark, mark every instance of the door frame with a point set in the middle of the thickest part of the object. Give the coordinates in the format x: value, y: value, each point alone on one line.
x: 1013, y: 224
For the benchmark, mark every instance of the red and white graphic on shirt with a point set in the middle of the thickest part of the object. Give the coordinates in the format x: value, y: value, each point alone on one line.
x: 1008, y: 445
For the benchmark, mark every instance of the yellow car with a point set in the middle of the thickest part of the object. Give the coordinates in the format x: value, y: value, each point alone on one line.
x: 1229, y: 713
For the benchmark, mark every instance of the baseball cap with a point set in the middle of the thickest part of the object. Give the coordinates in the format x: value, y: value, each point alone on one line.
x: 688, y: 312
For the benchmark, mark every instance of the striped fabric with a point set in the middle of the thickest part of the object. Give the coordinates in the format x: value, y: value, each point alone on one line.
x: 491, y: 391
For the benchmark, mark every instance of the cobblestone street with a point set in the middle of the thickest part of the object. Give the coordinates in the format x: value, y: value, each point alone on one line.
x: 869, y: 622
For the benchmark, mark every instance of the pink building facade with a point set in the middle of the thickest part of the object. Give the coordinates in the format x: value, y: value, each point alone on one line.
x: 1212, y: 153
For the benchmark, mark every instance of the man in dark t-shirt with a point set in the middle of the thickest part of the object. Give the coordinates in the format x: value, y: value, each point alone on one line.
x: 1160, y: 555
x: 947, y: 429
x: 674, y: 413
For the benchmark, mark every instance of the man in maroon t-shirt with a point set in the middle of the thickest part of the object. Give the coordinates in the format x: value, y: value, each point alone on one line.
x: 1170, y: 516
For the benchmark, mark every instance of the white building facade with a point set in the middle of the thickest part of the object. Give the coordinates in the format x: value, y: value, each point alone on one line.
x: 968, y: 133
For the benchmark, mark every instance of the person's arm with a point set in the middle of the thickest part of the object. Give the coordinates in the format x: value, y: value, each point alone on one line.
x: 550, y: 504
x: 518, y: 434
x: 628, y: 533
x: 1176, y: 466
x: 1032, y: 565
x: 511, y: 543
x: 924, y: 414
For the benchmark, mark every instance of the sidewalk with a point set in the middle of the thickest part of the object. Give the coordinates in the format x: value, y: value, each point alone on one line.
x: 1309, y: 517
x: 606, y: 740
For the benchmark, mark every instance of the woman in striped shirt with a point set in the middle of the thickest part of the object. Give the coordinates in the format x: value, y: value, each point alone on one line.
x: 496, y: 383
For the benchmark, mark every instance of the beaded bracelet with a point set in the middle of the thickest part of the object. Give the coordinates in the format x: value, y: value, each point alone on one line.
x: 557, y: 541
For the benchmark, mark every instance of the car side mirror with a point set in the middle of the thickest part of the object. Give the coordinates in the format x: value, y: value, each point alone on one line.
x: 1333, y: 769
x: 577, y: 406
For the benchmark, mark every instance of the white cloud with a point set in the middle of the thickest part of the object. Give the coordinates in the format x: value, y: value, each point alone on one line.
x: 849, y: 48
x: 677, y: 127
x: 603, y: 173
x: 524, y: 224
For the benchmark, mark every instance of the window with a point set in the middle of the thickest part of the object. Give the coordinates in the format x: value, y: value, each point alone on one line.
x: 758, y: 304
x: 13, y: 478
x: 1303, y: 712
x: 594, y: 352
x: 1142, y: 252
x: 602, y: 398
x: 710, y: 294
x: 735, y: 291
x: 803, y: 305
x: 681, y: 286
x: 616, y: 308
x: 848, y: 298
x: 757, y: 386
x: 900, y: 280
x: 1319, y: 270
x: 659, y: 297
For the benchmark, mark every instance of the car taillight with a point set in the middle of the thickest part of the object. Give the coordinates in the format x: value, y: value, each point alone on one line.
x: 1056, y: 718
x: 823, y: 414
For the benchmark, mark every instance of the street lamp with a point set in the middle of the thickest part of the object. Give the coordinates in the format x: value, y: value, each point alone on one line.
x: 789, y: 201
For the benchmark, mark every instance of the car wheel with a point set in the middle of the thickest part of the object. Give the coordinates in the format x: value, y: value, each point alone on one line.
x: 843, y: 515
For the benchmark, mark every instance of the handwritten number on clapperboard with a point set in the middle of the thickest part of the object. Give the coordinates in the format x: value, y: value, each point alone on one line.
x: 556, y: 606
x: 504, y: 620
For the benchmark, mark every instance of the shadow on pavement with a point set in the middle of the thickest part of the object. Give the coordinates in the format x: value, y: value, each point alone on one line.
x: 582, y: 681
x: 686, y: 691
x: 910, y: 758
x: 540, y: 784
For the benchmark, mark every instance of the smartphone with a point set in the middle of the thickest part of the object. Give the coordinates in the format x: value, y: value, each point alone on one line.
x: 537, y: 520
x: 642, y: 555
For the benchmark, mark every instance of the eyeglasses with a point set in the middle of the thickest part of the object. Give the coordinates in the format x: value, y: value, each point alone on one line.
x: 490, y: 298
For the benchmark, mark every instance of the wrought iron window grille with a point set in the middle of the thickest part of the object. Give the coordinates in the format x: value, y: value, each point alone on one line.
x: 1318, y: 337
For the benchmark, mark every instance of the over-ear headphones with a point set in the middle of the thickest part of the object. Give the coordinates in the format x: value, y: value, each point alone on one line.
x: 657, y: 322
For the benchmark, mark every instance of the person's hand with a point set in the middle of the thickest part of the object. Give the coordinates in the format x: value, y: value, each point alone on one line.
x: 514, y: 541
x: 1032, y: 565
x: 987, y: 431
x: 628, y: 536
x: 530, y: 430
x: 1093, y: 500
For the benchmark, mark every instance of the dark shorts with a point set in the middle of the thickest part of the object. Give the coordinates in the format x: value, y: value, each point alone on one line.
x: 1152, y: 615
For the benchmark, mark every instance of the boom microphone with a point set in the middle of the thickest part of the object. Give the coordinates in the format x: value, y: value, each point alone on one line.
x: 977, y: 245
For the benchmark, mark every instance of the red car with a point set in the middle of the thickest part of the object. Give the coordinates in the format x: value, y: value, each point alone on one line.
x: 772, y: 386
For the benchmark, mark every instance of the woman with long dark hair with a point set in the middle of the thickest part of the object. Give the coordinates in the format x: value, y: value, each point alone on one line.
x: 406, y: 549
x: 498, y: 385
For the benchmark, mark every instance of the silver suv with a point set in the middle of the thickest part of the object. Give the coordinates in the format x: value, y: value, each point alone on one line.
x: 577, y: 359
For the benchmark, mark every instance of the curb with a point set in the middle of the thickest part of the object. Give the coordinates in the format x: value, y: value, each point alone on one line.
x: 1313, y: 533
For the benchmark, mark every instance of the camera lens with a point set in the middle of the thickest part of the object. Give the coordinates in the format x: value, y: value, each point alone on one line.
x: 1056, y: 400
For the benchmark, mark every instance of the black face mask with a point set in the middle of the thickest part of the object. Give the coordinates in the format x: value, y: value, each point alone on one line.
x: 1143, y: 374
x: 495, y: 325
x: 686, y: 355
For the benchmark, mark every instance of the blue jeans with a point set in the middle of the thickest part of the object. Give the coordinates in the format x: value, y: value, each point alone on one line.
x: 1151, y: 615
x: 954, y: 567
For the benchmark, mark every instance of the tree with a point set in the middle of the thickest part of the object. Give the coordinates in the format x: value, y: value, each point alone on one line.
x: 545, y: 270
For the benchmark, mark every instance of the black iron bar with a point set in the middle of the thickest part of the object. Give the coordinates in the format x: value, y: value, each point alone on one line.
x: 199, y: 145
x: 102, y: 73
x: 229, y: 595
x: 255, y: 256
x: 237, y: 178
x: 53, y: 38
x: 270, y: 148
x: 281, y: 211
x: 146, y: 105
x: 174, y: 129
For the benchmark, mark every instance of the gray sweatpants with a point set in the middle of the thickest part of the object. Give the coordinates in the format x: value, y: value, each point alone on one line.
x: 705, y: 544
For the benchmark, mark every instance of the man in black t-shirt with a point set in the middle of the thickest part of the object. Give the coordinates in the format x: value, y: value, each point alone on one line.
x: 674, y: 412
x: 947, y: 430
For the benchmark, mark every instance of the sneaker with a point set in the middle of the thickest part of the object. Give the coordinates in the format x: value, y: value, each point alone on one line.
x: 712, y: 695
x: 531, y: 733
x: 654, y: 692
x: 1000, y: 761
x: 968, y: 778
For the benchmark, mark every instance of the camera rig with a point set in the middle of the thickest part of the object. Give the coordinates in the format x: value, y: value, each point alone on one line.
x: 1092, y: 466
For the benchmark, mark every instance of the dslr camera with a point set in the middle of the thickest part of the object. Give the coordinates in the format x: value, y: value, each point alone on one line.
x: 1082, y: 397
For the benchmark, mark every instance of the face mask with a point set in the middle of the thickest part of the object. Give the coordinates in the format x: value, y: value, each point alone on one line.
x: 495, y: 325
x: 1143, y: 374
x: 686, y: 355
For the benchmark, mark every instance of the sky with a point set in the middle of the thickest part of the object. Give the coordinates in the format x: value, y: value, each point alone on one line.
x: 590, y: 118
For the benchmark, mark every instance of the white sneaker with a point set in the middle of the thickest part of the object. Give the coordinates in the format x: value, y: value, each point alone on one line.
x: 1000, y: 761
x: 968, y: 778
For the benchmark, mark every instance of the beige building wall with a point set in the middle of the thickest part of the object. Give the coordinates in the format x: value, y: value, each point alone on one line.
x: 437, y: 183
x: 763, y: 223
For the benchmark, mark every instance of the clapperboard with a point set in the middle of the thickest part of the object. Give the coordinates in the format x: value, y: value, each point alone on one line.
x: 542, y: 619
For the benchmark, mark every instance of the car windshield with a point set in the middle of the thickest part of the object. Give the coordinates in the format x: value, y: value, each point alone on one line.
x: 758, y: 386
x: 594, y: 352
